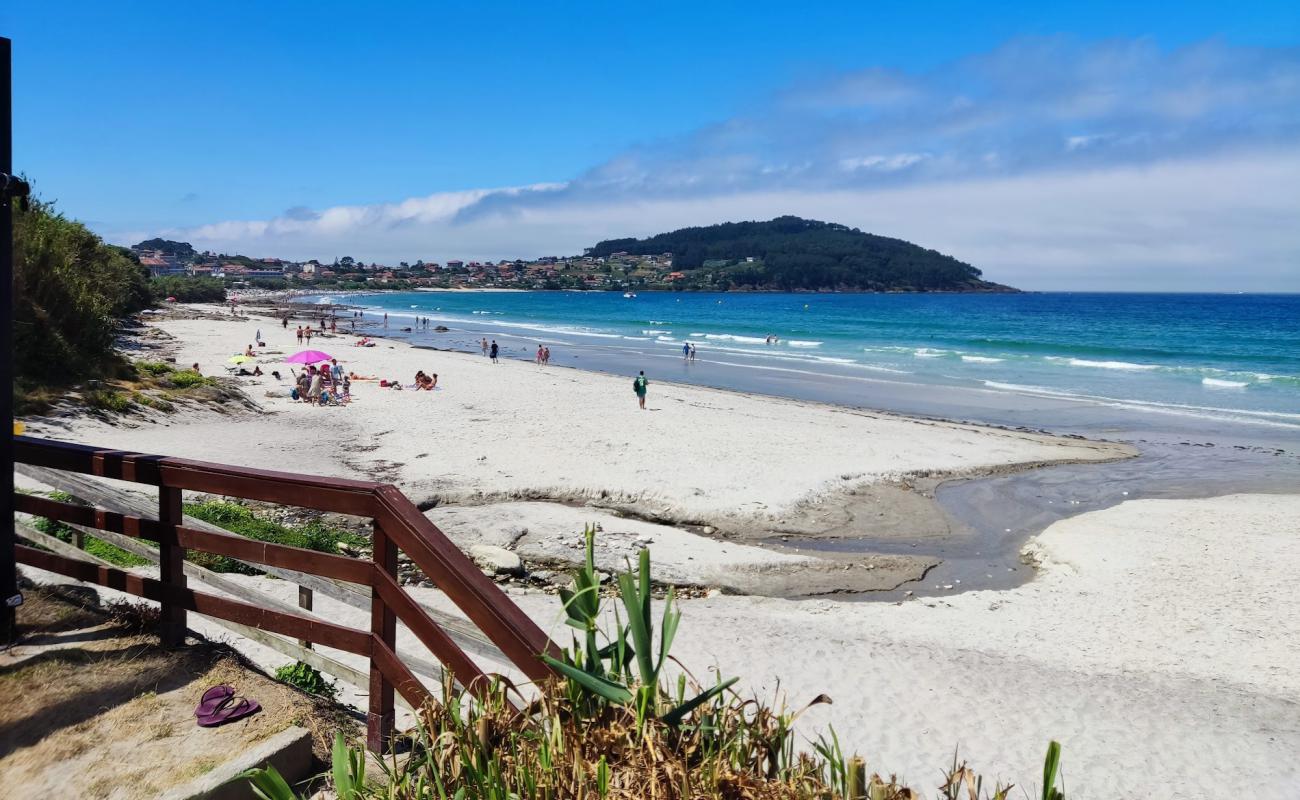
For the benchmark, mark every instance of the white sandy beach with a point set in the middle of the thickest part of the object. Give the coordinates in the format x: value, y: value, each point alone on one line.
x: 1159, y: 642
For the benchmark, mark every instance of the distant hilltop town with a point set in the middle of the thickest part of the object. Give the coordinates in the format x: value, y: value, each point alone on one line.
x: 617, y: 271
x: 783, y: 254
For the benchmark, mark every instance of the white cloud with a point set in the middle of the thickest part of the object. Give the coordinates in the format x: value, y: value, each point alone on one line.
x: 1047, y: 163
x: 1221, y: 223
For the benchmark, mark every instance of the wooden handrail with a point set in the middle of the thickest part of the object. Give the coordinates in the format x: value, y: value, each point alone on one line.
x: 398, y: 524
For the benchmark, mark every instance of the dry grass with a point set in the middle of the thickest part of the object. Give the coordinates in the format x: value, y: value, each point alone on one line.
x: 96, y: 708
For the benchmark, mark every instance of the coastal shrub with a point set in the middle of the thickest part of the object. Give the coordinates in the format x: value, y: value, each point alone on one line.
x: 188, y: 379
x: 154, y: 368
x: 601, y: 732
x: 108, y: 400
x: 187, y: 290
x: 307, y: 678
x: 70, y: 293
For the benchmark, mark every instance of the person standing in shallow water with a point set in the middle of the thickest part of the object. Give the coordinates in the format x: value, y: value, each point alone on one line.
x: 639, y: 386
x: 494, y: 351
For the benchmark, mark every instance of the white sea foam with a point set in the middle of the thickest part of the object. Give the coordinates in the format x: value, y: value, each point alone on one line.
x: 699, y: 334
x: 926, y: 352
x: 831, y: 360
x: 728, y: 337
x: 981, y: 359
x: 665, y: 339
x: 1279, y: 419
x: 798, y: 343
x: 1215, y: 383
x: 1124, y: 365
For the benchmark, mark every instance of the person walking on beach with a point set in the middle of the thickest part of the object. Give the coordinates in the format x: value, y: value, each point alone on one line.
x: 494, y: 351
x: 484, y: 345
x: 299, y: 334
x: 539, y: 354
x: 692, y: 351
x: 307, y: 331
x: 639, y: 385
x: 686, y: 351
x: 286, y: 323
x: 546, y: 355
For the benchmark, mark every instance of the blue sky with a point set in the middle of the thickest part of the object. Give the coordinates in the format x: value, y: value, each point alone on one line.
x: 1079, y: 146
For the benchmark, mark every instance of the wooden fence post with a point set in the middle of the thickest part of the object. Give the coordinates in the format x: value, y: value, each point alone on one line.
x: 305, y: 603
x: 383, y: 624
x: 171, y: 565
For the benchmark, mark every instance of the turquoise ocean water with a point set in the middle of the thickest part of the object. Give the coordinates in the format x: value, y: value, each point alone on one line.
x: 1221, y: 356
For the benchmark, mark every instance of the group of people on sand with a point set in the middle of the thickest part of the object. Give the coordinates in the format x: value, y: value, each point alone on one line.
x: 424, y: 382
x: 325, y: 385
x: 543, y: 354
x: 491, y: 351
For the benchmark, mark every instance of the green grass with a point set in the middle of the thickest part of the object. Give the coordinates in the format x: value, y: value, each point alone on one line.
x: 238, y: 519
x: 96, y: 547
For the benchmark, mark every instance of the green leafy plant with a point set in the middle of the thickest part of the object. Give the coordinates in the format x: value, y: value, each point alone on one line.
x: 268, y: 784
x: 605, y: 673
x: 307, y: 678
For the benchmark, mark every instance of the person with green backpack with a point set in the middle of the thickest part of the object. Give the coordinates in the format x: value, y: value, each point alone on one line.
x: 639, y: 385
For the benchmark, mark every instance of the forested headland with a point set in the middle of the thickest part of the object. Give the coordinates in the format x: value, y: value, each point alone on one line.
x: 793, y: 254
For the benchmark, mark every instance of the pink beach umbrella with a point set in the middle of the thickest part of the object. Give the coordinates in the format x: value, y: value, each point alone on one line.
x: 307, y: 357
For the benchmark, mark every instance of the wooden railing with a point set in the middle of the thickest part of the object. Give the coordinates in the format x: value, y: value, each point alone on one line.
x: 397, y: 525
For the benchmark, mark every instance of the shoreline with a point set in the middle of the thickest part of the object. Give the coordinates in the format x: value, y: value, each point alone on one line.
x: 677, y: 488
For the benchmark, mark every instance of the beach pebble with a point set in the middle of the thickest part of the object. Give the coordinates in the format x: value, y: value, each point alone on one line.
x: 709, y: 529
x: 496, y: 560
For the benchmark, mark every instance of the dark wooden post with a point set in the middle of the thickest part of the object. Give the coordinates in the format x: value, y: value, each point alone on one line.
x: 383, y: 624
x: 304, y: 602
x: 171, y: 565
x: 10, y: 597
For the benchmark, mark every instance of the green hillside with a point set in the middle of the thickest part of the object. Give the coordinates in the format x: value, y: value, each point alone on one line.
x: 791, y: 254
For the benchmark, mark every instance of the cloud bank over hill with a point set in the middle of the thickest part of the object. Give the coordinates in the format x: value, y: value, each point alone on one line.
x: 1047, y: 163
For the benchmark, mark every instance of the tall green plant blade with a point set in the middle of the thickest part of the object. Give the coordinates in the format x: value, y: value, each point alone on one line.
x: 1051, y: 766
x: 680, y: 713
x: 638, y: 622
x: 672, y: 616
x: 269, y: 784
x: 341, y: 763
x: 601, y: 687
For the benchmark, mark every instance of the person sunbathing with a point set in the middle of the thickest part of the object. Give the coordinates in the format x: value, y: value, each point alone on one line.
x: 354, y: 376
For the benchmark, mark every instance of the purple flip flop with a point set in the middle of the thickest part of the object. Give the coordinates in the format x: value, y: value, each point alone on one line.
x: 213, y: 698
x: 229, y: 710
